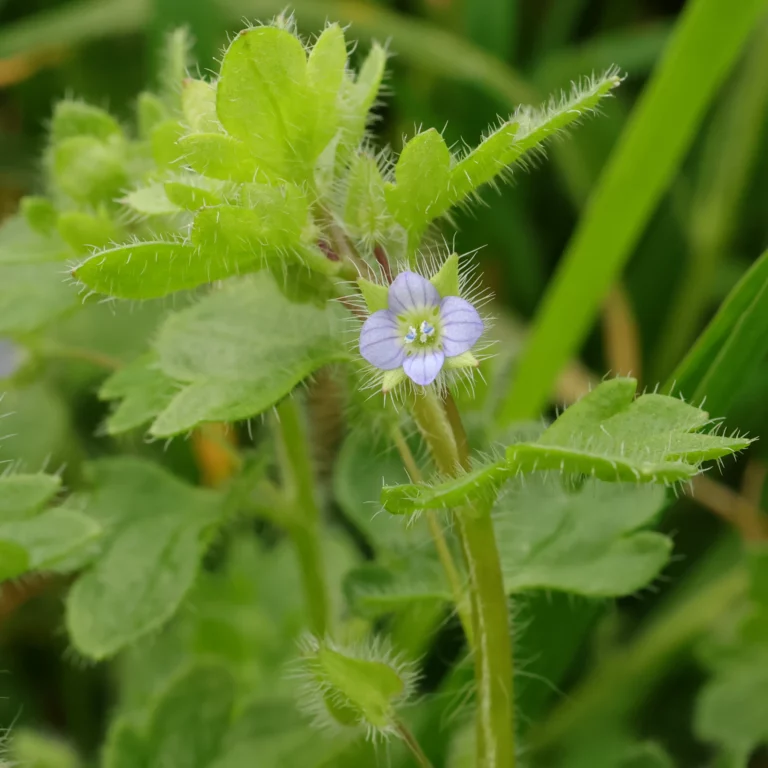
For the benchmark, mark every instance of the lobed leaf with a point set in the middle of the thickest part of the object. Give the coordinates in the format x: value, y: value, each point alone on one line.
x: 217, y: 349
x: 152, y: 521
x: 584, y: 541
x: 143, y: 391
x: 612, y: 436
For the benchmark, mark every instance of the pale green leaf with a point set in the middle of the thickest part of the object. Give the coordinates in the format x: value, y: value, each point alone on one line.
x: 150, y: 201
x: 190, y: 721
x: 89, y: 170
x: 83, y: 231
x: 154, y: 522
x: 261, y: 93
x: 19, y: 244
x: 366, y: 213
x: 143, y: 391
x: 359, y: 95
x: 165, y: 141
x: 220, y: 157
x: 33, y: 295
x: 198, y: 103
x: 76, y: 118
x: 150, y: 113
x: 218, y: 348
x: 23, y: 496
x: 39, y: 214
x: 422, y: 175
x: 583, y: 541
x: 610, y: 435
x: 194, y: 192
x: 325, y: 72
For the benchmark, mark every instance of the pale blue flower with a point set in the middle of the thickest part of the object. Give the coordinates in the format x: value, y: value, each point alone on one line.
x: 419, y: 330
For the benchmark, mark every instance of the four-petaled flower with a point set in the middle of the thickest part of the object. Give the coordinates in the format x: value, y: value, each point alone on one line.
x: 419, y: 330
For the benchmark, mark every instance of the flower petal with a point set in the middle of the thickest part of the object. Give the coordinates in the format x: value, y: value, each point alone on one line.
x: 461, y: 326
x: 380, y: 341
x: 411, y: 291
x: 423, y: 366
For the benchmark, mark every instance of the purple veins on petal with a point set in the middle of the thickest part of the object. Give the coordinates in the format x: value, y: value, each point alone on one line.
x: 462, y: 326
x: 411, y: 291
x: 380, y: 341
x: 423, y: 366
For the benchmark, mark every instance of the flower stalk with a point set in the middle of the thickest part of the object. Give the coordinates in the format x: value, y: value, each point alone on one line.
x: 490, y: 613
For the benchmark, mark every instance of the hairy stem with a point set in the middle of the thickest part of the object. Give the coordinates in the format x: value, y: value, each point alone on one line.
x: 442, y: 429
x: 413, y: 745
x: 304, y: 525
x: 460, y: 597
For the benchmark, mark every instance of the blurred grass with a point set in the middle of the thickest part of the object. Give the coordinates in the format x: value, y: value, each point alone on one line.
x: 708, y: 39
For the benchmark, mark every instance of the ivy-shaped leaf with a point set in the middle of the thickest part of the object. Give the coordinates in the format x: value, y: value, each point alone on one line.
x: 154, y: 522
x: 584, y: 541
x: 218, y: 348
x: 612, y: 436
x: 143, y: 391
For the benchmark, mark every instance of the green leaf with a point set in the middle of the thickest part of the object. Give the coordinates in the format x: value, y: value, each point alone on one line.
x: 143, y: 390
x: 125, y: 746
x: 14, y: 560
x: 366, y: 214
x: 708, y: 39
x: 325, y: 73
x: 38, y: 750
x: 50, y: 537
x: 189, y: 722
x: 154, y: 522
x: 20, y: 244
x: 23, y: 496
x: 194, y: 192
x: 90, y: 170
x: 359, y: 95
x: 423, y: 174
x: 33, y: 295
x: 39, y: 213
x: 167, y: 149
x: 376, y: 296
x: 76, y: 118
x: 198, y: 103
x: 150, y: 113
x: 217, y: 348
x: 730, y: 709
x: 584, y: 541
x: 261, y: 95
x: 483, y: 482
x: 373, y: 591
x: 220, y: 157
x: 83, y: 231
x: 150, y: 201
x: 610, y: 435
x: 730, y: 348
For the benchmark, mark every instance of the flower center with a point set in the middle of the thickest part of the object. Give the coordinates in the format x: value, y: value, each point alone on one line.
x: 420, y: 332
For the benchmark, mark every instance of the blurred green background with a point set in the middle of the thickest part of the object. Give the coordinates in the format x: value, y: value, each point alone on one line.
x: 456, y: 64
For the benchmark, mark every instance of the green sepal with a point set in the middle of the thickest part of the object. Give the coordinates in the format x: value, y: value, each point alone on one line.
x: 447, y: 278
x: 376, y: 296
x: 392, y: 379
x: 90, y: 170
x: 457, y: 362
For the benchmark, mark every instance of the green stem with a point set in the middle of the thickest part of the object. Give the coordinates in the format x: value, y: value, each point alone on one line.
x: 413, y: 745
x: 66, y: 352
x: 491, y: 623
x: 460, y: 597
x: 304, y: 525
